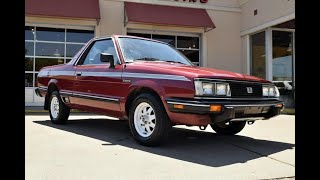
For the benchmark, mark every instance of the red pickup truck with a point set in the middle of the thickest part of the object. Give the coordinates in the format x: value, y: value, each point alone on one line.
x: 154, y: 87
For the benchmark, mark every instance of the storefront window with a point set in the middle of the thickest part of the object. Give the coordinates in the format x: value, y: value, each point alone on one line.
x: 189, y: 46
x: 258, y: 55
x: 188, y: 42
x: 168, y: 39
x: 50, y: 34
x: 78, y: 36
x: 282, y: 56
x: 50, y: 46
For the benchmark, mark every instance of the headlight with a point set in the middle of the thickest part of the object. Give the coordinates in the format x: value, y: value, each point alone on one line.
x: 223, y: 89
x: 212, y: 89
x: 265, y: 90
x: 203, y: 88
x: 271, y: 91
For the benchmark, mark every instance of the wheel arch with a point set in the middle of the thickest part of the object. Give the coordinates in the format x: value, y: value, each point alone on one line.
x: 52, y: 86
x: 135, y: 92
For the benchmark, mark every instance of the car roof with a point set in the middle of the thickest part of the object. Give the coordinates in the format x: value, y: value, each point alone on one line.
x: 127, y: 36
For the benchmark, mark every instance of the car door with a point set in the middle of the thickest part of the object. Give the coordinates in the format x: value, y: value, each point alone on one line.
x: 96, y: 87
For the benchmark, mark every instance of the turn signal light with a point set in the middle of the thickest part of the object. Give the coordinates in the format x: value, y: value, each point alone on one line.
x: 178, y: 106
x: 215, y: 108
x: 280, y: 105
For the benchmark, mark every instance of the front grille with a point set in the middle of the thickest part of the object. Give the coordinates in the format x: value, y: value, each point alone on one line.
x: 239, y: 90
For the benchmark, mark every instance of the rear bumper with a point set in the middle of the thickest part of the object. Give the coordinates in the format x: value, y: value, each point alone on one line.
x: 231, y: 110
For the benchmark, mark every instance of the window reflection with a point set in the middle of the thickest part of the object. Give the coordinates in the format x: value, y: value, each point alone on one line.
x: 258, y: 55
x: 72, y: 49
x: 282, y: 55
x: 28, y: 33
x: 79, y: 36
x: 188, y: 42
x: 42, y: 62
x: 182, y: 44
x: 167, y: 39
x: 50, y: 49
x: 29, y: 48
x: 192, y: 55
x: 28, y: 64
x: 50, y: 34
x: 28, y: 79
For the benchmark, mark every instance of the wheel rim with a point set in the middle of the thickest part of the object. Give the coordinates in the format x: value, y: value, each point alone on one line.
x: 144, y: 119
x: 54, y: 107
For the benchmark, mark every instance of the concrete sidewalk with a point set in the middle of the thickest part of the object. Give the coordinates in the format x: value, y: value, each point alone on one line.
x: 98, y: 147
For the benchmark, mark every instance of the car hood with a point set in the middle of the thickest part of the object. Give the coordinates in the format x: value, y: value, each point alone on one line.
x: 189, y: 71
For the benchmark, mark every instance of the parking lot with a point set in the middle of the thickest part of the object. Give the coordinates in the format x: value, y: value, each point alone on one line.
x: 97, y: 147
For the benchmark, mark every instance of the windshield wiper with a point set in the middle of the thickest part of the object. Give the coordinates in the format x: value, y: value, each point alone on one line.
x: 172, y: 61
x: 148, y: 59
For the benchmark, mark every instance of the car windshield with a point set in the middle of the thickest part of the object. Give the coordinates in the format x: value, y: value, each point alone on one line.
x: 134, y: 49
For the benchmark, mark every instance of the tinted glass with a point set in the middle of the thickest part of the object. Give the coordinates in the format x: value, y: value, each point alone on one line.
x: 135, y: 49
x: 42, y: 62
x: 50, y: 34
x: 72, y: 49
x: 68, y: 60
x: 28, y: 64
x: 29, y: 48
x: 282, y: 48
x: 193, y: 56
x: 79, y: 36
x: 258, y: 55
x: 28, y: 79
x: 140, y: 35
x: 28, y: 33
x: 188, y: 42
x: 50, y: 49
x: 35, y: 79
x: 104, y: 46
x: 167, y: 39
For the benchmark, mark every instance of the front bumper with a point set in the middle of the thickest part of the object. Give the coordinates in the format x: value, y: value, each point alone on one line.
x: 231, y: 110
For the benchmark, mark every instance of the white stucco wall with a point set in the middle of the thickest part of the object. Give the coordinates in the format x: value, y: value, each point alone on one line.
x: 268, y: 10
x: 224, y: 42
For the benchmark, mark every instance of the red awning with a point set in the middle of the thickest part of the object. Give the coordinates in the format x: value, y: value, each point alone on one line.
x: 63, y: 8
x: 167, y: 15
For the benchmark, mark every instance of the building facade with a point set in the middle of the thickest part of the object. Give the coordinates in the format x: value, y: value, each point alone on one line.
x: 255, y: 37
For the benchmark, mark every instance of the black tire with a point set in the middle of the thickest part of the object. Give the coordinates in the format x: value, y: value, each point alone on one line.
x: 162, y: 123
x: 228, y: 129
x: 63, y: 112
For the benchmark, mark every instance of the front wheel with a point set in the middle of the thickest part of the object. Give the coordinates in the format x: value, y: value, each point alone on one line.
x: 59, y: 112
x: 148, y: 120
x: 229, y: 128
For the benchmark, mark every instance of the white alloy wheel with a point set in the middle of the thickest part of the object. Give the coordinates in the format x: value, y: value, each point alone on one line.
x: 54, y: 107
x: 144, y: 119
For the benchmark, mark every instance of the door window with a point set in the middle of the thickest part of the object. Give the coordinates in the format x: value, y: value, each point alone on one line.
x: 102, y: 46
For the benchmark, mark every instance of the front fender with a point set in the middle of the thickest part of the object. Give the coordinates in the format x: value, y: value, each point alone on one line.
x: 55, y: 82
x: 148, y: 84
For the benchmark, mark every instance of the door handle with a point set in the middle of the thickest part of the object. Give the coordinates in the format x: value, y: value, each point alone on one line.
x: 78, y: 73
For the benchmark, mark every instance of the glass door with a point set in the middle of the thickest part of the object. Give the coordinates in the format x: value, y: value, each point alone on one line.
x: 283, y: 48
x: 282, y: 56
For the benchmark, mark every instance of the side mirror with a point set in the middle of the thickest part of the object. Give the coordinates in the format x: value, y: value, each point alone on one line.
x: 105, y: 57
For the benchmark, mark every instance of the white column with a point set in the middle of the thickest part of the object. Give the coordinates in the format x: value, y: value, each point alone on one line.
x: 269, y: 54
x: 204, y: 50
x: 247, y: 55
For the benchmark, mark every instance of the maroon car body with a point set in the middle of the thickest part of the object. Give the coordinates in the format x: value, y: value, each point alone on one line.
x: 111, y: 91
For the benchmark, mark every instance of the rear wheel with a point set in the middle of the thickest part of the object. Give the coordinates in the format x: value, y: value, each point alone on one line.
x: 59, y: 112
x: 229, y: 128
x: 148, y: 120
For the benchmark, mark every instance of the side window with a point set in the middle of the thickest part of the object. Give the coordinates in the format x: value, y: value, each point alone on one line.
x: 103, y: 46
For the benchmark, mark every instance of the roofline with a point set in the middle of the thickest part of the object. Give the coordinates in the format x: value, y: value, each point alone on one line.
x: 127, y: 36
